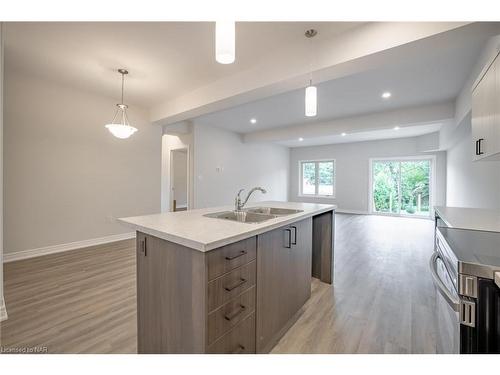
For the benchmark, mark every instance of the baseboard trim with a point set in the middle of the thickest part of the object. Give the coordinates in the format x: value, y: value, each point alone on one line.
x: 355, y: 212
x: 32, y: 253
x: 3, y: 310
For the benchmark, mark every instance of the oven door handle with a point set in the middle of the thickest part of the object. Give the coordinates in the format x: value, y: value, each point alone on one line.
x: 453, y: 301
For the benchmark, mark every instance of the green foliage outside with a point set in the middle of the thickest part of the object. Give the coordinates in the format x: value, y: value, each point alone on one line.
x: 309, y: 173
x: 325, y: 173
x: 410, y: 179
x: 325, y: 177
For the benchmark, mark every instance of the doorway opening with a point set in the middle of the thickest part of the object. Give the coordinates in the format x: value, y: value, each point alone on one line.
x: 402, y: 186
x: 179, y: 179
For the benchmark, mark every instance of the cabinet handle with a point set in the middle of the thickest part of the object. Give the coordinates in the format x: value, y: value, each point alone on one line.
x: 144, y: 249
x: 479, y: 152
x: 235, y: 313
x: 239, y: 283
x: 294, y: 242
x: 289, y: 238
x: 238, y: 350
x: 241, y: 253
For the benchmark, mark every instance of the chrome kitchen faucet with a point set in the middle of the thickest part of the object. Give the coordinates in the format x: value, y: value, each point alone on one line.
x: 238, y: 206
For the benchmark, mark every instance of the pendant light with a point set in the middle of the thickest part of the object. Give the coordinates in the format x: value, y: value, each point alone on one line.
x: 311, y: 97
x: 225, y: 44
x: 122, y: 128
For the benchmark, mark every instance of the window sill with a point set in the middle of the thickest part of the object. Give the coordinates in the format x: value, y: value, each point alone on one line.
x: 316, y: 196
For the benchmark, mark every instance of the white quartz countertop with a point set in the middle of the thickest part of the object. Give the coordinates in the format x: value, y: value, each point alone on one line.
x: 192, y: 229
x: 470, y: 218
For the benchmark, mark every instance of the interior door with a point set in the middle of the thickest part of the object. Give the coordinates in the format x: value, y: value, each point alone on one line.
x: 179, y: 171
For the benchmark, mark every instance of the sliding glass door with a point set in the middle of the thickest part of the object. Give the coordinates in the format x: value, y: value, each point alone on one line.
x: 401, y: 187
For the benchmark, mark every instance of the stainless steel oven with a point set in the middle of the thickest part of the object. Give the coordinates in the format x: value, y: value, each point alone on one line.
x: 447, y: 308
x: 463, y: 269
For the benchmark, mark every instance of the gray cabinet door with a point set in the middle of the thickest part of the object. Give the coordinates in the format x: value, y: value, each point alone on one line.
x: 171, y: 297
x: 283, y: 279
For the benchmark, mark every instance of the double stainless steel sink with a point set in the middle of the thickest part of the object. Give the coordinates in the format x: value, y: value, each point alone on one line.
x: 253, y: 214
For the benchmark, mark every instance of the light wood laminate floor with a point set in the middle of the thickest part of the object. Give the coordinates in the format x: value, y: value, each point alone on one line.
x: 382, y: 300
x: 81, y: 301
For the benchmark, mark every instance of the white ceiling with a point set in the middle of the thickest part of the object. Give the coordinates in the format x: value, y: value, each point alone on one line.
x: 429, y: 79
x: 165, y: 59
x: 390, y: 133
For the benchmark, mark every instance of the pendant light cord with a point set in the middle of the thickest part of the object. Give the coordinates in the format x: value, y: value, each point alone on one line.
x: 311, y: 51
x: 123, y: 82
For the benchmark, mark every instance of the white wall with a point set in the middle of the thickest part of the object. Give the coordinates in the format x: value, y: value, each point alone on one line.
x: 2, y: 304
x: 66, y: 177
x: 471, y: 184
x: 352, y: 169
x: 224, y: 164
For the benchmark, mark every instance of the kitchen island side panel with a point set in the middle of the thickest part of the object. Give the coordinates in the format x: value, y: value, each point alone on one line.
x: 171, y: 297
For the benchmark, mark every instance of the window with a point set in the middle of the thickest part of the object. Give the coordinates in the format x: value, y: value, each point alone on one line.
x: 317, y: 178
x: 401, y: 187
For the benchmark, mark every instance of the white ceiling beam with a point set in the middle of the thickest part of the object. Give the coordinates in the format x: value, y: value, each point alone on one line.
x: 436, y: 113
x: 366, y: 47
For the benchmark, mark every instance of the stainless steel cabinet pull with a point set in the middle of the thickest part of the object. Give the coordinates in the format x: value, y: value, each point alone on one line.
x: 235, y: 313
x: 294, y: 242
x: 288, y: 244
x: 239, y: 349
x: 241, y: 253
x: 239, y: 283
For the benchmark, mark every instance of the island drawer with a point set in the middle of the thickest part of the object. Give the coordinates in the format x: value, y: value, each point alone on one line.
x: 239, y: 340
x: 229, y: 315
x: 230, y: 285
x: 231, y: 256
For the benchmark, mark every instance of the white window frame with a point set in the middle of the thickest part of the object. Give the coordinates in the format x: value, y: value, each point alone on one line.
x: 432, y: 184
x: 316, y: 195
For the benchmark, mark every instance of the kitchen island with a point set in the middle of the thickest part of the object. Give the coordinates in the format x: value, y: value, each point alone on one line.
x: 212, y: 285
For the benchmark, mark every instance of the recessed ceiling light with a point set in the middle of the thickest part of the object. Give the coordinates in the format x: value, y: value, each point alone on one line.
x: 253, y: 121
x: 343, y: 134
x: 396, y: 128
x: 301, y: 139
x: 386, y: 95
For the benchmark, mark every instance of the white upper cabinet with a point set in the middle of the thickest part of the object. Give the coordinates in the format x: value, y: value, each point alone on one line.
x: 486, y: 114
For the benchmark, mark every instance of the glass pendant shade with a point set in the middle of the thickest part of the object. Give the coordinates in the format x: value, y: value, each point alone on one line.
x: 311, y: 101
x: 122, y: 129
x: 225, y: 42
